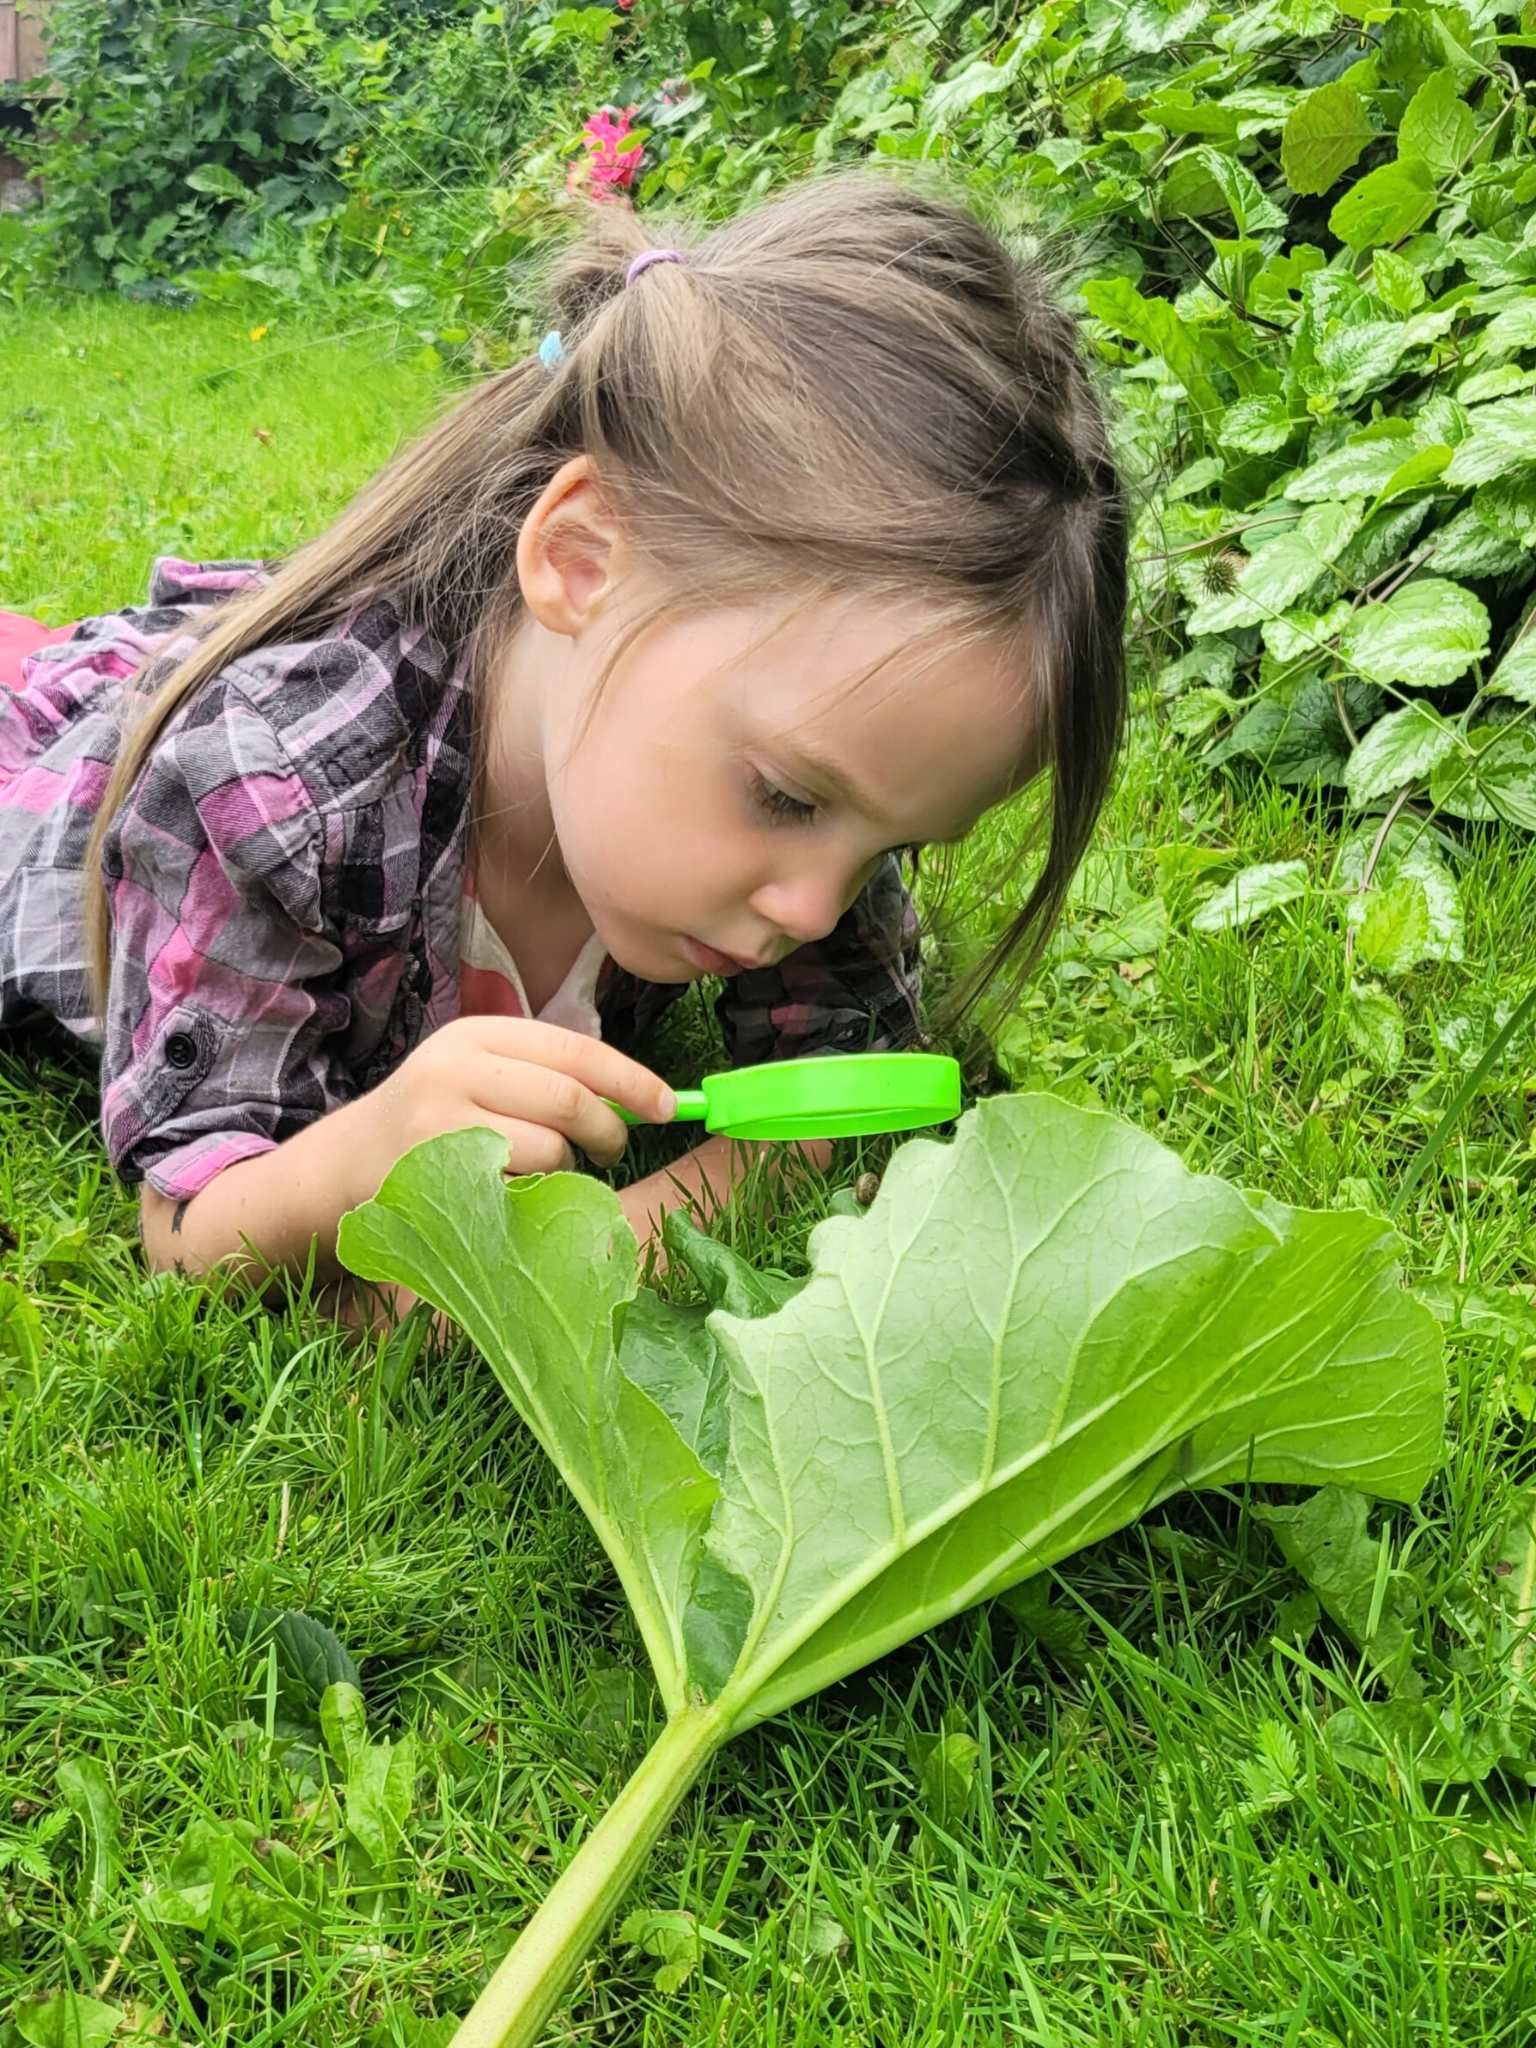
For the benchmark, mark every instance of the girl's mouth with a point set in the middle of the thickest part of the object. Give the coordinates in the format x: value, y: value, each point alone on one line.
x: 710, y: 960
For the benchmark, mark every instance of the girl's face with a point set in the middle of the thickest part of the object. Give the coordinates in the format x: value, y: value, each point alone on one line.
x: 737, y: 786
x: 742, y: 773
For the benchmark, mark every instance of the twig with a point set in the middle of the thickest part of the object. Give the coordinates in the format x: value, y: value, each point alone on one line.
x: 116, y: 1963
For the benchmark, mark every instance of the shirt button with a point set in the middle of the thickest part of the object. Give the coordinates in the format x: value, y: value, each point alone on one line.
x: 181, y: 1050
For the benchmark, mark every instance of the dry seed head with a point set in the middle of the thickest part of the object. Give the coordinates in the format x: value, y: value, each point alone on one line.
x: 1221, y: 571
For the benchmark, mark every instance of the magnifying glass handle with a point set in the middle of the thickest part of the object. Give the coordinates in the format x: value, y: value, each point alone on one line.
x: 692, y: 1108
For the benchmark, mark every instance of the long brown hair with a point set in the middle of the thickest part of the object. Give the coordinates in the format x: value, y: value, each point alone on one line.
x: 853, y: 388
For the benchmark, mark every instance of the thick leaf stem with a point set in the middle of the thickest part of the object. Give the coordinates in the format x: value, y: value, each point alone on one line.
x: 512, y: 2009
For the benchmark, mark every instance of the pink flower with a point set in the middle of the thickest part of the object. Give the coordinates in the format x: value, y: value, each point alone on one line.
x: 625, y: 6
x: 606, y: 167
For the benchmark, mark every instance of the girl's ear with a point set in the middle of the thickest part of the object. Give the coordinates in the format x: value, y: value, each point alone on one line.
x: 567, y: 552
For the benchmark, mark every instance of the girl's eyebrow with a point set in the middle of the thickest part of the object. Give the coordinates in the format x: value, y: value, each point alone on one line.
x: 806, y: 760
x: 809, y: 765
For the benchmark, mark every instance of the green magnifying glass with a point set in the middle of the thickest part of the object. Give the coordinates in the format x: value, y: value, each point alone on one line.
x: 832, y: 1095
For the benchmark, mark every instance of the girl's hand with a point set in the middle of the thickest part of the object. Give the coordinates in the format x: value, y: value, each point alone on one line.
x: 539, y: 1085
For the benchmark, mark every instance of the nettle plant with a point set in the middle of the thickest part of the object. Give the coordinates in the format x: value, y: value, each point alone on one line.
x: 1338, y: 561
x: 1034, y: 1334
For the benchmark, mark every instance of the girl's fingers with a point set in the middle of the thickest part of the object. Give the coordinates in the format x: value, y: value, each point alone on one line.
x: 559, y: 1102
x: 531, y: 1148
x: 600, y: 1068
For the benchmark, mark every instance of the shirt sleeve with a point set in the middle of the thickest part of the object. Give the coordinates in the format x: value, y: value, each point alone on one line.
x: 226, y: 987
x: 857, y: 990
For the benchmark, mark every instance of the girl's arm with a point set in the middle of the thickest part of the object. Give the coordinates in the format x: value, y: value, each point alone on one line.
x: 269, y: 1214
x: 288, y: 1202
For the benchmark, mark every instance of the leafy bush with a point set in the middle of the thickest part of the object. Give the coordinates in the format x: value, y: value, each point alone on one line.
x: 1341, y: 555
x: 284, y: 144
x: 173, y: 139
x: 1335, y: 406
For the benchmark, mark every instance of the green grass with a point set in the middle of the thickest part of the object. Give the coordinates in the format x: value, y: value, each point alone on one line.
x: 136, y: 431
x: 168, y: 1457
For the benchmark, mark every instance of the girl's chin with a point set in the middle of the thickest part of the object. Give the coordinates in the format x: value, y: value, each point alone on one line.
x: 657, y: 956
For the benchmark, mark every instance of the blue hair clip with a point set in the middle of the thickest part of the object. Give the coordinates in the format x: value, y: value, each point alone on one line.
x: 552, y: 350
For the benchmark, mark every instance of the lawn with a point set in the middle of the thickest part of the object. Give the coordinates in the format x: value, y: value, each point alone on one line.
x: 1120, y: 1823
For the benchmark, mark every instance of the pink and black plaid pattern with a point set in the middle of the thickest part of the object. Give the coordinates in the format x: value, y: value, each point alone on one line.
x: 285, y: 884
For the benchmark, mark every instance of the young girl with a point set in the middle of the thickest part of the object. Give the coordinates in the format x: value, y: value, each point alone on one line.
x: 787, y: 554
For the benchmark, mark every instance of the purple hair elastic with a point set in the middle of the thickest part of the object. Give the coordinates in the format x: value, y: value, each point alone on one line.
x: 650, y: 256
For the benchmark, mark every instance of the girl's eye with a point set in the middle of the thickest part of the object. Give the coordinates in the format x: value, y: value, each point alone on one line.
x: 778, y: 804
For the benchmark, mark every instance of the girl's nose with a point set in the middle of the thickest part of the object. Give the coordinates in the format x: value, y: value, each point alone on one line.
x: 806, y: 906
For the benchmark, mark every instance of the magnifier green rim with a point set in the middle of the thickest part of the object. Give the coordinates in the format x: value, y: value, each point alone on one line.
x: 868, y: 1091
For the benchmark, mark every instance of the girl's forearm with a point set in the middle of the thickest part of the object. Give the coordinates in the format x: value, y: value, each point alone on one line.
x: 267, y: 1215
x: 706, y: 1176
x: 285, y: 1205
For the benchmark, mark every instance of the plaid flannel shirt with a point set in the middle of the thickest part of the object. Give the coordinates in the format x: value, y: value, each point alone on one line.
x: 285, y: 884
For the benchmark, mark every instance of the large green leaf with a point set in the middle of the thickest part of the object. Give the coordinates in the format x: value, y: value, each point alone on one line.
x: 1395, y: 933
x: 1251, y: 895
x: 1382, y: 540
x: 1415, y: 472
x: 1281, y: 571
x: 1385, y: 204
x: 1243, y: 196
x: 1503, y: 438
x: 1354, y: 359
x: 1515, y: 675
x: 1373, y: 1020
x: 1500, y: 782
x: 87, y: 1791
x: 1467, y: 546
x: 974, y: 81
x: 1034, y: 1334
x: 1324, y: 135
x: 67, y: 2019
x: 1357, y: 470
x: 1510, y: 331
x: 1155, y: 325
x: 1325, y: 1539
x: 1149, y: 27
x: 1399, y: 749
x: 1395, y: 282
x: 1409, y: 852
x: 1428, y: 634
x: 309, y: 1655
x: 1256, y: 426
x: 1190, y: 190
x: 1438, y: 126
x: 1296, y: 732
x: 1508, y: 507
